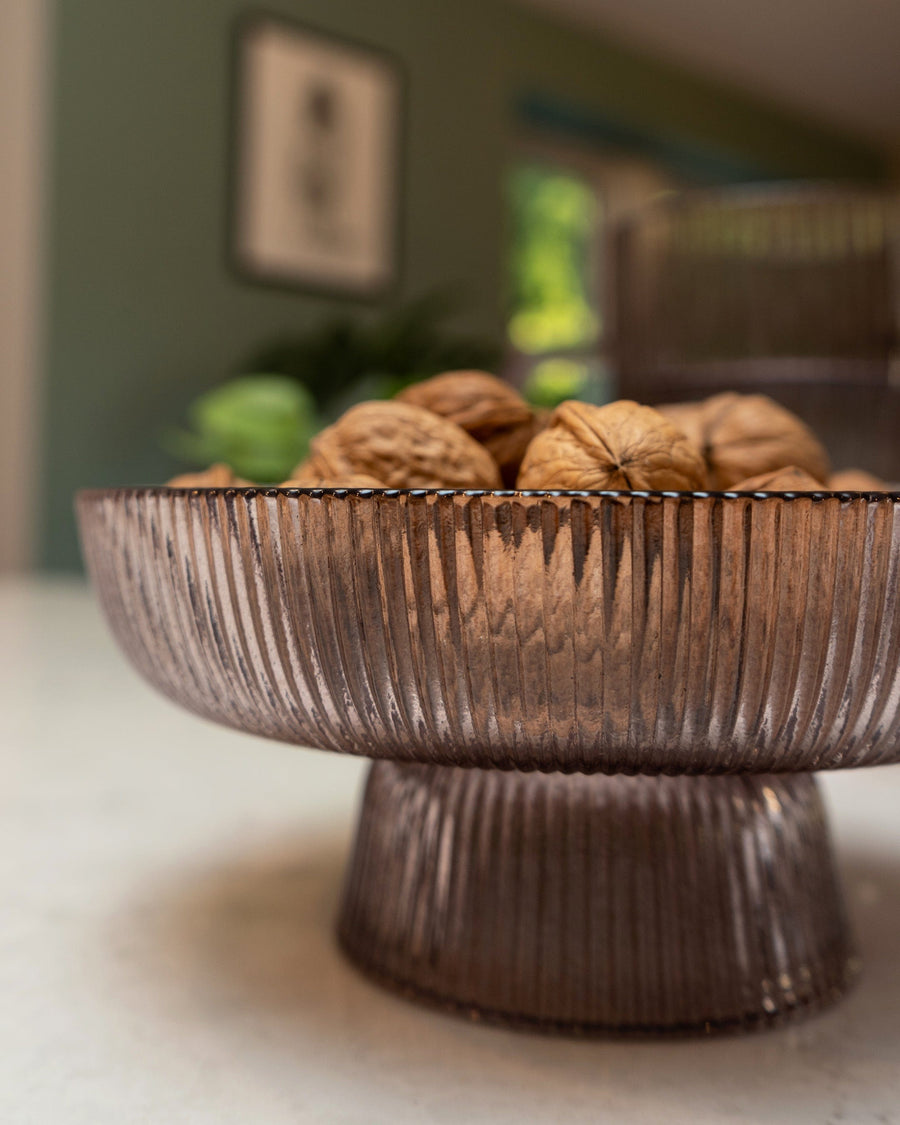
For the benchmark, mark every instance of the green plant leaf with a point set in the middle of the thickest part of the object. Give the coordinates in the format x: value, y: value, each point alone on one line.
x: 336, y: 362
x: 260, y: 425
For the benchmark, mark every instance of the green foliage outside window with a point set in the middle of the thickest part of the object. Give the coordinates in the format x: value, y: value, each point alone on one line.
x: 553, y: 218
x: 552, y: 381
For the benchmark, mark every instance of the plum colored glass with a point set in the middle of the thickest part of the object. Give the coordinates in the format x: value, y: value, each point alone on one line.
x: 510, y: 658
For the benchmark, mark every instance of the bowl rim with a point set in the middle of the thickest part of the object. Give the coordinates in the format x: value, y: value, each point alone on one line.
x: 273, y: 491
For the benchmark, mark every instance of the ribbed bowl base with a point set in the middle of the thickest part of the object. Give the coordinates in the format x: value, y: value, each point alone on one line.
x: 594, y: 904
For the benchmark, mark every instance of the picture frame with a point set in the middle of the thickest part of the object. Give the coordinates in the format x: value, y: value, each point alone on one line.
x: 316, y: 163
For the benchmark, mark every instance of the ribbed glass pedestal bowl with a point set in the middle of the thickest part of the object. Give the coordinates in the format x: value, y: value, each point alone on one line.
x: 509, y: 658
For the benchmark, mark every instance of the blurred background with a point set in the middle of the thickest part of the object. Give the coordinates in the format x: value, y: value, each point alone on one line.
x: 215, y: 226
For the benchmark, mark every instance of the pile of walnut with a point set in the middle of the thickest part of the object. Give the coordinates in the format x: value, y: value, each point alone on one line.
x: 468, y: 429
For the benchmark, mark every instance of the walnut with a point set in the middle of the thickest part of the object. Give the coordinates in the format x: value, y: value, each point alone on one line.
x: 303, y: 477
x: 742, y: 436
x: 790, y: 479
x: 688, y: 417
x: 216, y: 476
x: 488, y: 409
x: 401, y: 446
x: 856, y: 480
x: 619, y: 446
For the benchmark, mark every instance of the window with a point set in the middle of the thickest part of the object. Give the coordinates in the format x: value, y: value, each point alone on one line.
x: 560, y: 205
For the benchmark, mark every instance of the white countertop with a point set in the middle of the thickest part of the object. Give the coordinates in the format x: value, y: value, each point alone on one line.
x: 166, y: 952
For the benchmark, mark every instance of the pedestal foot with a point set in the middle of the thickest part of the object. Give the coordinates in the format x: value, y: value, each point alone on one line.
x: 646, y: 905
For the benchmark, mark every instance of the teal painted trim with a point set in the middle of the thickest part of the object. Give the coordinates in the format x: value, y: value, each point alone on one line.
x: 689, y: 161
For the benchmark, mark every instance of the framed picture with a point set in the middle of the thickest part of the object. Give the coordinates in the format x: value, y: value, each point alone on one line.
x: 316, y: 160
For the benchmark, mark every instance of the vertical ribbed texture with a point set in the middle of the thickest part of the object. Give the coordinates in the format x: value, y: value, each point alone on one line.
x: 640, y: 633
x: 624, y: 904
x: 584, y: 634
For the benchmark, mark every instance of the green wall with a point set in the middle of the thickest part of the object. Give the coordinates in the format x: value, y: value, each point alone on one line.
x: 142, y: 311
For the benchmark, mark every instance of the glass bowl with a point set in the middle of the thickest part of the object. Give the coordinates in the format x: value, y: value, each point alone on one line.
x: 487, y: 644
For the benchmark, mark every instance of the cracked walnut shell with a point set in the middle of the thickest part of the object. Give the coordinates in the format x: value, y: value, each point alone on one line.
x: 742, y: 436
x: 486, y: 407
x: 399, y: 446
x: 619, y: 446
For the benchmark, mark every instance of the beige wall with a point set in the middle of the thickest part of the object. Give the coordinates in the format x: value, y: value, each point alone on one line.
x: 23, y: 38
